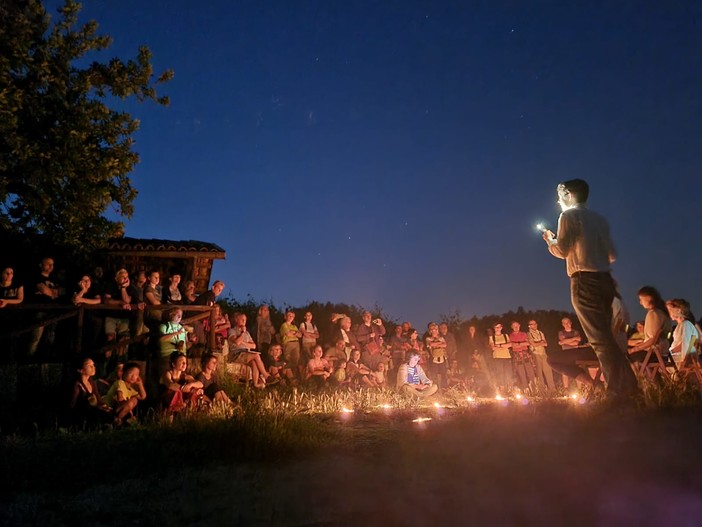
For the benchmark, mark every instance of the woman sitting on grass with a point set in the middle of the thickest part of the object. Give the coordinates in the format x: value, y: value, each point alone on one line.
x: 179, y: 387
x: 357, y: 372
x: 379, y: 377
x: 208, y: 378
x: 86, y: 405
x: 318, y: 368
x: 125, y: 394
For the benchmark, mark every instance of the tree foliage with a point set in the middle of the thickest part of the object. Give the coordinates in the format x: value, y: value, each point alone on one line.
x: 65, y: 155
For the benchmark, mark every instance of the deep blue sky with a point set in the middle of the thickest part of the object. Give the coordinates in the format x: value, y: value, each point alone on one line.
x: 400, y: 153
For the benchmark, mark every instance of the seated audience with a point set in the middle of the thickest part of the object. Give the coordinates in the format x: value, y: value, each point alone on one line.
x: 242, y: 349
x: 379, y: 376
x: 343, y: 332
x: 357, y: 372
x: 124, y: 395
x: 637, y: 337
x: 455, y: 375
x: 222, y: 326
x: 179, y: 388
x: 686, y: 335
x: 411, y: 379
x: 208, y: 377
x: 336, y: 355
x: 318, y: 368
x: 172, y: 338
x: 86, y: 405
x: 278, y: 369
x: 657, y: 325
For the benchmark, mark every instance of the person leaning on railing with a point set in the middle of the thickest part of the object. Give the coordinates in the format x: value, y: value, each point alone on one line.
x: 11, y: 292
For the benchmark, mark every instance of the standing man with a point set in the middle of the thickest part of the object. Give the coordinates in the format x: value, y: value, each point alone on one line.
x: 43, y: 290
x: 450, y: 338
x: 538, y: 345
x: 584, y: 242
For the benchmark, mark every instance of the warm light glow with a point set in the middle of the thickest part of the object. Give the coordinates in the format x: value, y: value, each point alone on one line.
x: 421, y: 419
x: 498, y: 397
x: 470, y: 399
x: 574, y: 396
x: 345, y: 410
x: 518, y: 396
x: 437, y: 405
x: 386, y: 406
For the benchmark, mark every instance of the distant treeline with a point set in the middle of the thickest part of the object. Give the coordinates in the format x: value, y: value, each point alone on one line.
x: 549, y: 320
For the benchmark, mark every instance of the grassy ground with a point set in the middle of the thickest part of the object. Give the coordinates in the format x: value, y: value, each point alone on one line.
x: 548, y: 463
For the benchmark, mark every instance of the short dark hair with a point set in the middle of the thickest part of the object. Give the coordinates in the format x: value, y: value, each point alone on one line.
x: 578, y: 188
x: 206, y: 358
x: 175, y: 356
x: 129, y: 367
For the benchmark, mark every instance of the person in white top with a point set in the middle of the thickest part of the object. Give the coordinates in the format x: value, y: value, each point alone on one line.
x: 583, y: 241
x: 686, y: 335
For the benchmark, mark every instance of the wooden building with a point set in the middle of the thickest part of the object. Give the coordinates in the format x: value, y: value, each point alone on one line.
x: 192, y: 259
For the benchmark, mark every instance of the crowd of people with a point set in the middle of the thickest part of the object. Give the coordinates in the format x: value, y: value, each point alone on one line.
x: 139, y: 347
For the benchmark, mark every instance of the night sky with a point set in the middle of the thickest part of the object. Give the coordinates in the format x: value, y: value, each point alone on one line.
x: 400, y: 153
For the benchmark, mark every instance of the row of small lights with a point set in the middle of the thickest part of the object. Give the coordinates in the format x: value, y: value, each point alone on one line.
x: 470, y: 399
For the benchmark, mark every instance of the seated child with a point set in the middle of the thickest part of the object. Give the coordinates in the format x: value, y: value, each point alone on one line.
x: 125, y: 393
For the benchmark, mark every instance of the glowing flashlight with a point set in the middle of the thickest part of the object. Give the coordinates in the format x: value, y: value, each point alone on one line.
x: 541, y: 227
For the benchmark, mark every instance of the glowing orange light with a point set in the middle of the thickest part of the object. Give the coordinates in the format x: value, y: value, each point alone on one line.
x: 421, y: 419
x: 498, y: 397
x: 345, y: 410
x: 470, y: 399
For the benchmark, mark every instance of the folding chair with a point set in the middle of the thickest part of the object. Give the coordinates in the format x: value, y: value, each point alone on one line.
x: 691, y: 366
x: 592, y: 364
x: 654, y: 364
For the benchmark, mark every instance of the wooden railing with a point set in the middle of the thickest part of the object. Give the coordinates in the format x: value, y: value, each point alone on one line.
x: 66, y: 311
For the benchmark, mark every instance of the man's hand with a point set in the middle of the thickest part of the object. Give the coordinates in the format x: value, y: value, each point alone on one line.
x: 549, y: 237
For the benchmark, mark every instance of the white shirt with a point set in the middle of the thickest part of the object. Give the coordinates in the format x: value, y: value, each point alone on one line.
x: 583, y: 241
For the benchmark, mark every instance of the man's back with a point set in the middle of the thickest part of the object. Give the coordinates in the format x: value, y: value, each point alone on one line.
x: 584, y: 241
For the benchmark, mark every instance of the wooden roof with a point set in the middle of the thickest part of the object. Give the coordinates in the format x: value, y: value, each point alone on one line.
x: 182, y: 247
